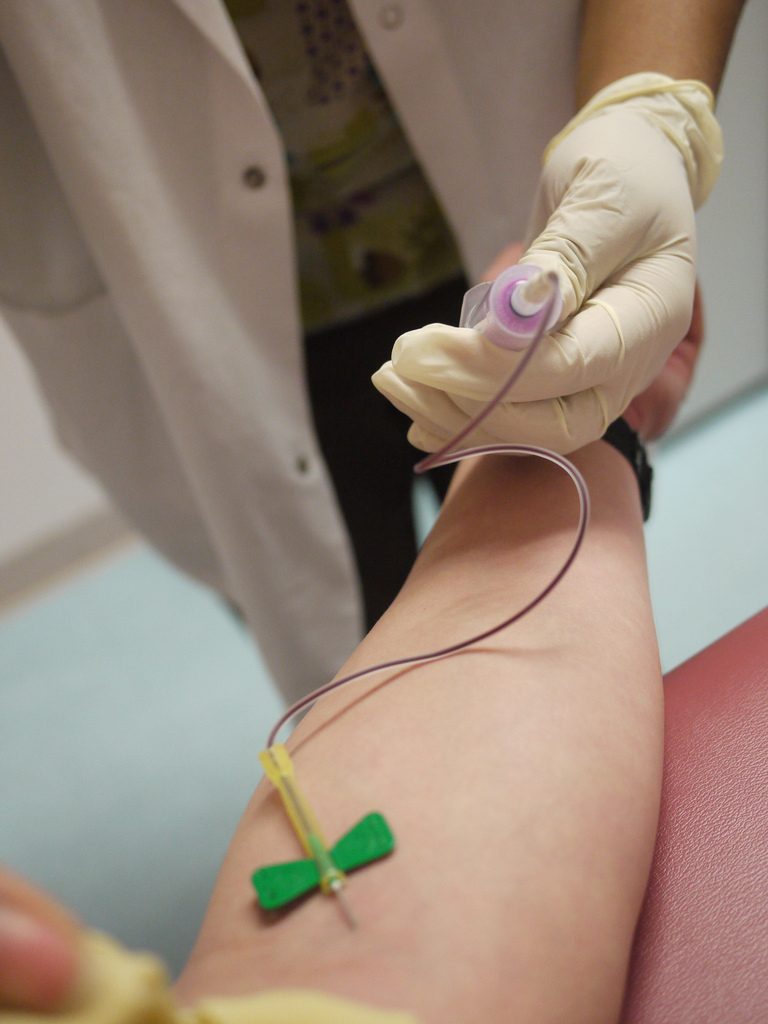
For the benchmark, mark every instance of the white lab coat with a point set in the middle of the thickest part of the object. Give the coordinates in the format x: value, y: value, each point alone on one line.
x: 153, y: 289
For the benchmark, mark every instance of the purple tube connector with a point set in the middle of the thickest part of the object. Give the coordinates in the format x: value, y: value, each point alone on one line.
x: 489, y: 307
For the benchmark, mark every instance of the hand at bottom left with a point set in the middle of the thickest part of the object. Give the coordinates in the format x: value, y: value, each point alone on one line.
x: 39, y: 948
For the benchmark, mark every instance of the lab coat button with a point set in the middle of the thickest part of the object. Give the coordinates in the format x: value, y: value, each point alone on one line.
x: 254, y: 177
x: 302, y: 465
x: 391, y: 16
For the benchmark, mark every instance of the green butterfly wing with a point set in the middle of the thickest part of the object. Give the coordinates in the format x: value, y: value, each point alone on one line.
x: 279, y: 884
x: 368, y: 840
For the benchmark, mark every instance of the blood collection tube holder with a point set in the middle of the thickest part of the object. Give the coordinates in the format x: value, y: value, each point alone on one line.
x: 488, y: 308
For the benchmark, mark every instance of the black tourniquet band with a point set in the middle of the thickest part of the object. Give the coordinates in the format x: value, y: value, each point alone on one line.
x: 625, y: 440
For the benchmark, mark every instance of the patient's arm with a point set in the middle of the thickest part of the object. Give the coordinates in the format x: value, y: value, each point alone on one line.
x: 521, y: 777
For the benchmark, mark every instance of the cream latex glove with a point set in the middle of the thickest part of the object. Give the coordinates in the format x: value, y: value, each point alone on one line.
x: 614, y: 218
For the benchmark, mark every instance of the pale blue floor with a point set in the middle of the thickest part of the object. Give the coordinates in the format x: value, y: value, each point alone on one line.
x: 132, y: 711
x: 132, y: 706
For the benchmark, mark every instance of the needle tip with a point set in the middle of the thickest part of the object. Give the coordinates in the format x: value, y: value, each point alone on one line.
x: 337, y: 888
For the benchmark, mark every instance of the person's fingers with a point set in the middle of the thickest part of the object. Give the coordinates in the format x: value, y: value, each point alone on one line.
x: 651, y: 413
x: 580, y: 379
x: 685, y: 357
x: 39, y: 947
x: 430, y: 408
x: 422, y: 439
x: 458, y: 360
x: 562, y: 424
x: 604, y: 345
x: 21, y: 895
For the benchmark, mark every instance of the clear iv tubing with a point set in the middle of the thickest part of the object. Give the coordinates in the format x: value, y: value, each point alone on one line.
x: 443, y: 457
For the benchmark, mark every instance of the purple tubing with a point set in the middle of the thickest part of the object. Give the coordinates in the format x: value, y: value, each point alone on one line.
x: 539, y: 323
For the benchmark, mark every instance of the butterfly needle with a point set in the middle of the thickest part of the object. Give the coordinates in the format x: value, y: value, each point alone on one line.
x: 280, y: 771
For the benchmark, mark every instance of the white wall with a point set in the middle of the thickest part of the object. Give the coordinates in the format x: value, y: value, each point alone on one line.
x: 42, y: 493
x: 733, y: 228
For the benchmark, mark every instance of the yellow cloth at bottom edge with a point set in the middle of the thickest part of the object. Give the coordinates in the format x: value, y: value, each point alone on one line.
x: 119, y: 987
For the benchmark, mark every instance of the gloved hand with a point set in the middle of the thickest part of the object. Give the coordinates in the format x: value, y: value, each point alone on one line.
x: 614, y: 218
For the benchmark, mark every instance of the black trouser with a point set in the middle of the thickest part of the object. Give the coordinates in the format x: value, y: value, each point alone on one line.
x: 363, y: 440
